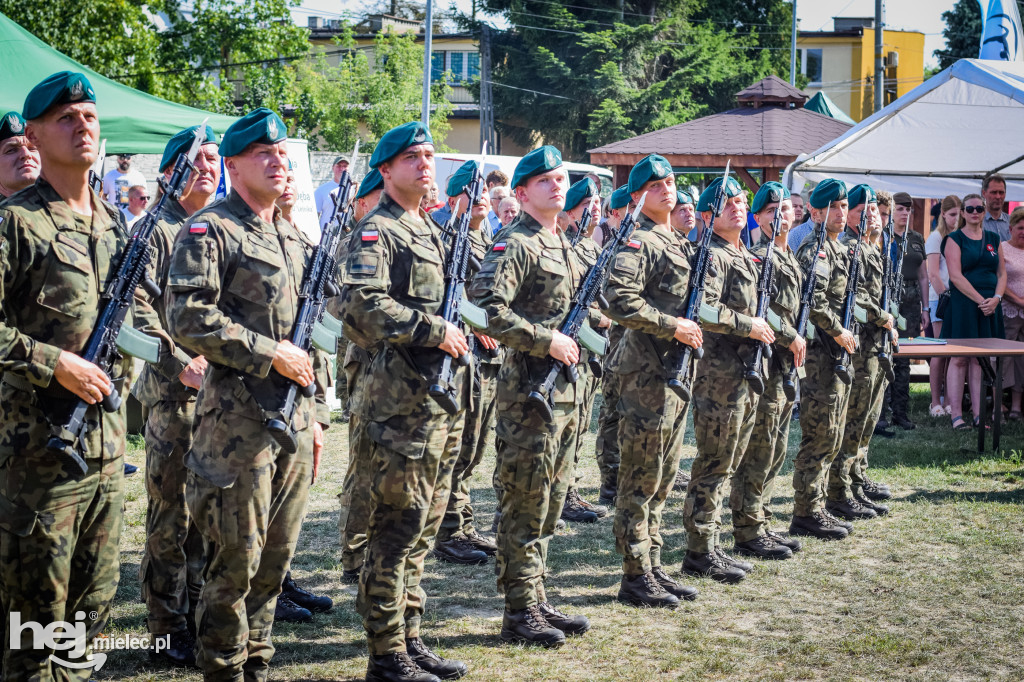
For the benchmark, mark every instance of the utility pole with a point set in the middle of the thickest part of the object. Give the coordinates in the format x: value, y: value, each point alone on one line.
x: 792, y: 50
x: 486, y: 95
x: 879, y: 55
x: 427, y: 49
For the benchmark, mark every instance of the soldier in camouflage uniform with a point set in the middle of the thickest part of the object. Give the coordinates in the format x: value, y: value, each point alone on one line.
x: 723, y: 402
x: 525, y: 285
x: 823, y: 397
x: 170, y: 573
x: 755, y: 474
x: 683, y: 219
x: 394, y: 286
x: 59, y: 528
x: 646, y: 291
x: 457, y: 539
x: 232, y: 284
x: 868, y: 387
x: 19, y: 158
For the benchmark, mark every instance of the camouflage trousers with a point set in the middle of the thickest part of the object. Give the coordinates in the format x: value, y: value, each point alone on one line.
x: 536, y: 460
x: 355, y: 495
x: 608, y: 455
x: 752, y: 483
x: 590, y: 389
x: 411, y: 473
x: 250, y: 531
x: 650, y: 441
x: 458, y: 515
x: 865, y: 405
x: 341, y: 374
x: 170, y: 573
x: 823, y: 402
x: 723, y: 419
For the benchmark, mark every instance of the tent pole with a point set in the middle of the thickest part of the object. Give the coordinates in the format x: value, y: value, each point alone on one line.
x: 879, y: 55
x: 792, y: 50
x: 427, y: 48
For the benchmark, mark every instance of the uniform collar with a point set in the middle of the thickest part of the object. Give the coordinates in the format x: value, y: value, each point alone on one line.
x: 719, y: 240
x: 644, y: 222
x: 237, y: 206
x: 62, y: 214
x: 418, y: 223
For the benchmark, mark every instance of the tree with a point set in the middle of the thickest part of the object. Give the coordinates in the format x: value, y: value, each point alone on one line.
x: 962, y: 33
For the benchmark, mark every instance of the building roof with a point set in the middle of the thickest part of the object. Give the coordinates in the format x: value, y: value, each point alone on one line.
x: 771, y: 90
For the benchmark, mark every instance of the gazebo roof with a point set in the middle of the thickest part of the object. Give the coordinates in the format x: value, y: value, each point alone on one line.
x: 771, y: 90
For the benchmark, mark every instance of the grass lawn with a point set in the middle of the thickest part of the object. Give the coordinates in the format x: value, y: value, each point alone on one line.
x: 933, y: 591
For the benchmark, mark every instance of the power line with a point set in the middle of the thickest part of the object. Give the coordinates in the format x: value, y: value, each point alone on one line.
x: 657, y: 40
x: 611, y: 25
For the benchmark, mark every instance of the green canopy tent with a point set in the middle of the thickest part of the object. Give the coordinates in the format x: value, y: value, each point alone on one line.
x: 130, y: 120
x: 823, y: 105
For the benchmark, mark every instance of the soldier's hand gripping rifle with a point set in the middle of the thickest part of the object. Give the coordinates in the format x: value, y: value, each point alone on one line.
x: 455, y: 267
x: 842, y: 366
x: 806, y: 303
x: 111, y: 339
x: 574, y: 326
x: 678, y: 362
x: 752, y: 372
x: 885, y: 353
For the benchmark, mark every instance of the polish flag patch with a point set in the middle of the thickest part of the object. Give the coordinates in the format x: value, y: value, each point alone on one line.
x: 198, y: 228
x: 634, y: 244
x: 821, y: 254
x: 755, y: 259
x: 370, y: 236
x: 500, y: 246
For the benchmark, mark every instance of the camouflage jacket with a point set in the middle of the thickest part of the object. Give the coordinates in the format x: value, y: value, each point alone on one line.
x: 789, y: 281
x: 480, y: 241
x: 160, y: 382
x: 832, y: 266
x: 869, y: 291
x: 526, y: 284
x: 646, y: 292
x: 732, y: 291
x: 393, y: 286
x: 232, y: 296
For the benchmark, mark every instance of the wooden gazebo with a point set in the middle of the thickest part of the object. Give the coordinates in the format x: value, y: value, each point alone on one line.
x: 766, y: 132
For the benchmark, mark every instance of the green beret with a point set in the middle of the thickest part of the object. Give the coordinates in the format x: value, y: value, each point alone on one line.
x: 181, y: 143
x: 461, y: 178
x: 707, y: 197
x: 540, y: 160
x: 60, y: 88
x: 371, y: 182
x: 860, y: 194
x: 620, y: 198
x: 771, y: 192
x: 399, y: 139
x: 12, y: 125
x: 827, y: 191
x: 683, y: 197
x: 653, y: 167
x: 580, y: 191
x: 259, y: 125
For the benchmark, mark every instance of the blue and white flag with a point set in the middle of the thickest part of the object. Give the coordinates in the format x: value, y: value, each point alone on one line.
x: 1001, y: 36
x: 223, y: 186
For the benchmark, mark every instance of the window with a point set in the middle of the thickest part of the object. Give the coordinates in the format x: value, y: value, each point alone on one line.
x: 464, y: 66
x: 436, y: 65
x: 810, y: 64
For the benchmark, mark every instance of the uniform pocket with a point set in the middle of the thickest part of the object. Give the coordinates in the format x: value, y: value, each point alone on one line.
x: 258, y: 272
x: 676, y: 278
x: 426, y: 274
x: 409, y: 445
x: 68, y: 284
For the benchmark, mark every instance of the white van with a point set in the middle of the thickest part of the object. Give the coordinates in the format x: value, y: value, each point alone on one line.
x: 447, y: 164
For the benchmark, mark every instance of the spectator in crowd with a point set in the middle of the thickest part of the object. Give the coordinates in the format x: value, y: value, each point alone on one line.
x: 993, y: 189
x: 497, y: 195
x: 495, y: 179
x: 1013, y: 306
x: 597, y: 181
x: 977, y: 278
x: 120, y: 180
x: 508, y: 209
x: 800, y: 230
x: 138, y: 197
x: 798, y: 208
x: 938, y: 282
x: 286, y: 202
x: 322, y: 194
x: 432, y: 201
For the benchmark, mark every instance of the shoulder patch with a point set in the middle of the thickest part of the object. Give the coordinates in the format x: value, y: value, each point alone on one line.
x: 370, y: 235
x: 822, y: 254
x: 198, y: 228
x: 499, y: 247
x: 634, y: 244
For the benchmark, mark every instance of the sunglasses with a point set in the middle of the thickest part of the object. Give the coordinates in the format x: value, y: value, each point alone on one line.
x: 974, y: 209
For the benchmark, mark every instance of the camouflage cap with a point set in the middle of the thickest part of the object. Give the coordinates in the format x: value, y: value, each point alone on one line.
x: 540, y: 160
x: 64, y: 87
x: 771, y: 192
x: 620, y: 198
x: 827, y: 191
x: 579, y: 192
x: 860, y: 194
x: 461, y: 178
x: 652, y: 167
x: 181, y: 143
x: 372, y: 181
x: 12, y: 125
x: 683, y: 197
x: 707, y: 197
x: 259, y: 125
x: 399, y: 139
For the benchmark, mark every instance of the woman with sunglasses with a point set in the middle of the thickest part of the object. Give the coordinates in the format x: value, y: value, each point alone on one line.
x: 977, y: 278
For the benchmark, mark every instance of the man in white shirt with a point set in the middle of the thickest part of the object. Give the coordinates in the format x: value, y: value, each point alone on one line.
x: 120, y: 179
x: 322, y: 194
x: 138, y: 197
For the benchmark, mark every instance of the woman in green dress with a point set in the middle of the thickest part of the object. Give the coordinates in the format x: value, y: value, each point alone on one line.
x: 977, y: 278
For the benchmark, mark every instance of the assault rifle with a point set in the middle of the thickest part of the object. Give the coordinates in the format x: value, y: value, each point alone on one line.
x: 678, y: 362
x: 752, y: 372
x: 842, y: 366
x: 583, y: 225
x: 574, y: 326
x: 96, y: 169
x: 110, y: 337
x: 806, y: 303
x: 885, y: 353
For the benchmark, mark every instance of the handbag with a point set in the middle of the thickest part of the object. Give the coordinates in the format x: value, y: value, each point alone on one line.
x: 943, y: 305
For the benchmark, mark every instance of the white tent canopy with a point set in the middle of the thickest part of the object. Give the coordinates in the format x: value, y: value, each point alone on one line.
x: 940, y: 138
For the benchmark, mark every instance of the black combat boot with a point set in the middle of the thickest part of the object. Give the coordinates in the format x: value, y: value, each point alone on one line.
x: 682, y: 480
x: 307, y: 600
x: 458, y: 550
x: 850, y: 510
x: 484, y: 544
x: 427, y: 660
x: 645, y: 590
x: 350, y: 576
x: 528, y: 626
x: 570, y: 625
x: 609, y: 487
x: 673, y: 586
x: 288, y: 611
x: 858, y: 494
x: 744, y: 566
x: 574, y: 512
x: 396, y: 667
x: 876, y: 491
x: 180, y: 650
x: 712, y: 566
x: 784, y: 539
x: 599, y: 509
x: 902, y: 421
x: 838, y: 521
x: 764, y: 547
x: 817, y: 525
